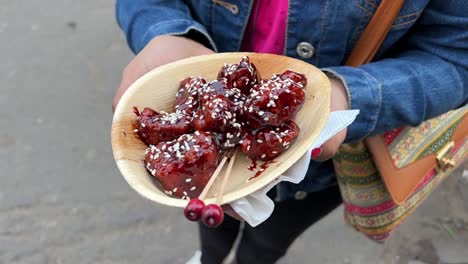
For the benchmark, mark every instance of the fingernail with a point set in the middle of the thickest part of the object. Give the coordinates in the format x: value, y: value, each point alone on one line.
x: 316, y: 152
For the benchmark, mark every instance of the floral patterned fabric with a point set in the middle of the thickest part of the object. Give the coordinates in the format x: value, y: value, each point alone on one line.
x: 369, y: 207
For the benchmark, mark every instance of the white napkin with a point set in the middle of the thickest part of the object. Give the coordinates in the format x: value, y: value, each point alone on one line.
x: 257, y: 207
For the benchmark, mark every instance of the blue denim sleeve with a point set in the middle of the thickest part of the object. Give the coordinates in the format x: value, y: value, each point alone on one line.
x: 142, y: 20
x: 425, y: 79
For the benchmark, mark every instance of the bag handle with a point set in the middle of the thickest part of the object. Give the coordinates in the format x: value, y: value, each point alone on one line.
x: 375, y: 32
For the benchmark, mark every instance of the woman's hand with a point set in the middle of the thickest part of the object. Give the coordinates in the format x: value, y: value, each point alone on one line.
x: 339, y: 101
x: 159, y: 51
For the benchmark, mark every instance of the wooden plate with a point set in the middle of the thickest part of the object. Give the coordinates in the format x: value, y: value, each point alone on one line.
x: 157, y: 89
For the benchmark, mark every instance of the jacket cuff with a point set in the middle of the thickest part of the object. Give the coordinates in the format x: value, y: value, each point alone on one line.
x: 176, y: 27
x: 364, y: 93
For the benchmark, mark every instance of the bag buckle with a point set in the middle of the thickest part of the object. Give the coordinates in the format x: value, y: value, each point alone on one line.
x: 443, y: 161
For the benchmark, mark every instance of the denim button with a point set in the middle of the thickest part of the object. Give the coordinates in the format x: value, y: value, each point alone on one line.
x: 300, y: 195
x: 305, y: 50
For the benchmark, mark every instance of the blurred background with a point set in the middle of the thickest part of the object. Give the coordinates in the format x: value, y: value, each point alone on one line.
x: 62, y: 199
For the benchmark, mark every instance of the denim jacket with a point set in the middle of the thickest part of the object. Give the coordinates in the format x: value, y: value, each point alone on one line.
x: 419, y: 72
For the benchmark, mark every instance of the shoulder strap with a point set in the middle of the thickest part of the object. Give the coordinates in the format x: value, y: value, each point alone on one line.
x: 375, y: 32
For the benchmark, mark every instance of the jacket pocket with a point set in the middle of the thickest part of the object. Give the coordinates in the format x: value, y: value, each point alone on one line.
x: 408, y: 15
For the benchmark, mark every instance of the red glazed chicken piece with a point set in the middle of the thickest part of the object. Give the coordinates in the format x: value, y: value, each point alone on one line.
x: 242, y: 76
x: 237, y: 99
x: 272, y: 102
x: 294, y: 76
x: 187, y: 97
x: 235, y: 96
x: 213, y: 89
x: 154, y: 127
x: 218, y: 116
x: 268, y: 143
x: 183, y: 166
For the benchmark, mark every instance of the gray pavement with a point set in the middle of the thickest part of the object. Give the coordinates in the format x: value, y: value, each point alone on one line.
x: 62, y: 199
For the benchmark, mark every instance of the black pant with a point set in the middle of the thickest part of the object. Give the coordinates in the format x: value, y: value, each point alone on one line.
x: 270, y: 240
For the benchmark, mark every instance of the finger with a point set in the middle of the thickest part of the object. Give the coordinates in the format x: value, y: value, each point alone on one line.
x: 228, y: 210
x: 322, y: 153
x: 130, y: 74
x: 329, y: 148
x: 122, y: 88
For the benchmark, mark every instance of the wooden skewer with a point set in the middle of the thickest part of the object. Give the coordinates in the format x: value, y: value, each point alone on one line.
x: 213, y: 177
x: 226, y: 177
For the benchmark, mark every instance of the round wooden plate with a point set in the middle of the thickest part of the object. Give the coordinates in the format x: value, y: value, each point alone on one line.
x: 157, y: 89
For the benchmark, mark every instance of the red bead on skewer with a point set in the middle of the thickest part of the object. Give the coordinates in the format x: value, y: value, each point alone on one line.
x: 212, y: 215
x: 193, y: 210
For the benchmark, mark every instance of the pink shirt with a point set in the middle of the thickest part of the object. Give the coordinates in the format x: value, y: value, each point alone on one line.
x: 266, y: 31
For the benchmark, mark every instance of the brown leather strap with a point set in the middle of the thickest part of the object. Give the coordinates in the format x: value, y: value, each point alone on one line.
x: 375, y: 32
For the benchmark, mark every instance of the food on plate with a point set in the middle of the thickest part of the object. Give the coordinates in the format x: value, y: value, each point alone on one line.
x: 187, y: 101
x: 219, y: 117
x: 241, y: 76
x: 268, y: 143
x: 183, y: 166
x: 238, y: 109
x: 154, y: 127
x: 272, y: 102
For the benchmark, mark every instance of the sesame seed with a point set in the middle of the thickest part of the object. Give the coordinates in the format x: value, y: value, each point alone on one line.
x: 188, y: 180
x: 263, y: 156
x: 193, y: 188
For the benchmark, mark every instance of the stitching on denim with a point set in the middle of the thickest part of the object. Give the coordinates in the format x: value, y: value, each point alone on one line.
x: 333, y: 73
x: 411, y: 14
x: 371, y: 3
x: 180, y: 32
x: 370, y: 79
x: 402, y: 24
x: 322, y: 35
x: 397, y: 26
x: 162, y: 24
x: 362, y: 7
x: 228, y: 6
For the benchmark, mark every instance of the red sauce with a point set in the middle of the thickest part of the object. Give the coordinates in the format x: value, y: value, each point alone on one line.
x: 135, y: 131
x: 135, y: 110
x: 263, y: 167
x: 253, y: 166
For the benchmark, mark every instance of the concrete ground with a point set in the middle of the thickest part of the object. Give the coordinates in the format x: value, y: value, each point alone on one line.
x: 62, y: 199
